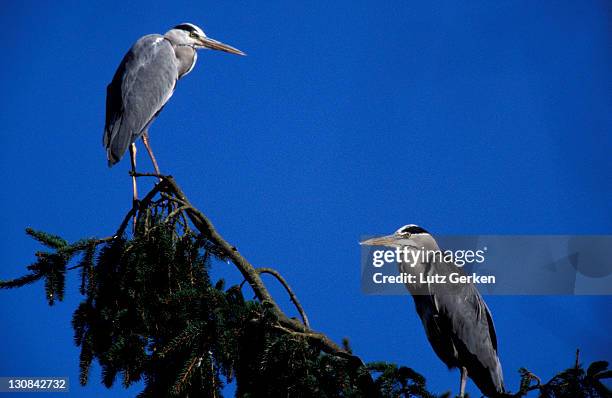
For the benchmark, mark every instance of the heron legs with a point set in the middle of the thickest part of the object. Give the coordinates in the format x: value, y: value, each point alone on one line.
x: 145, y: 140
x: 134, y: 187
x: 133, y: 161
x: 463, y: 381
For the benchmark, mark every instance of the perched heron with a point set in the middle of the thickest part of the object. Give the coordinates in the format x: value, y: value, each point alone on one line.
x: 457, y: 322
x: 143, y: 83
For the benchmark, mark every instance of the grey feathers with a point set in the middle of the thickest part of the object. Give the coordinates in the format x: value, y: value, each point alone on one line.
x: 459, y: 326
x: 143, y: 83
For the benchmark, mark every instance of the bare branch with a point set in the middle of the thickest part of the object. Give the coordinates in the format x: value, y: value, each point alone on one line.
x: 137, y: 174
x: 141, y: 205
x: 292, y: 295
x: 175, y: 212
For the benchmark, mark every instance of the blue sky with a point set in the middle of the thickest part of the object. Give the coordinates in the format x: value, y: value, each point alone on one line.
x: 345, y: 119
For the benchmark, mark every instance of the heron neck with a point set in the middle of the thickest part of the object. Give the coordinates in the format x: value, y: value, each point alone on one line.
x: 186, y: 57
x: 419, y: 268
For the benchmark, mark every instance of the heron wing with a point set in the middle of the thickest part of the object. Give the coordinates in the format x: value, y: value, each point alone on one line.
x: 142, y: 84
x: 465, y: 317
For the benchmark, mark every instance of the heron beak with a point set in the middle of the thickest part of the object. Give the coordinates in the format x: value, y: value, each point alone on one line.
x: 388, y: 240
x: 217, y: 45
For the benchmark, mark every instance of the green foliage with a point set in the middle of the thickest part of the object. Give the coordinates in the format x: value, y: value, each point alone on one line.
x: 571, y: 383
x: 151, y: 312
x: 577, y: 383
x: 397, y: 381
x: 51, y: 241
x: 50, y: 266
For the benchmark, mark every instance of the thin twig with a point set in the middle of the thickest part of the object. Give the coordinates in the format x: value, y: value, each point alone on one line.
x: 184, y: 223
x: 292, y: 295
x: 321, y: 339
x: 577, y: 358
x: 187, y: 373
x: 537, y: 379
x: 140, y: 205
x: 137, y: 174
x: 176, y: 211
x: 172, y: 198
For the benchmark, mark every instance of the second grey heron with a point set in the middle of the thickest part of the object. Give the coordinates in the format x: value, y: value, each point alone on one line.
x: 143, y: 83
x: 457, y: 322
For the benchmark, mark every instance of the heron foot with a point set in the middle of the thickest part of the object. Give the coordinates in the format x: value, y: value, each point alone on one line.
x: 137, y: 174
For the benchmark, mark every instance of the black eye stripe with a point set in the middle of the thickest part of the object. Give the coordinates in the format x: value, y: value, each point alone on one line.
x: 186, y: 27
x: 413, y: 229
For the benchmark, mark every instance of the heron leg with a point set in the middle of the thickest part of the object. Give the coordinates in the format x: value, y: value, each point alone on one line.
x: 463, y: 381
x: 133, y: 161
x: 134, y: 187
x: 145, y: 140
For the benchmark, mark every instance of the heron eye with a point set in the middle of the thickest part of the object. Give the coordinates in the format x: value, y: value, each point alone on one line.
x: 193, y: 34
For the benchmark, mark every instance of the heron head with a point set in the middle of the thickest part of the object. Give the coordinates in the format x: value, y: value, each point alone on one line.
x: 188, y: 34
x: 409, y: 235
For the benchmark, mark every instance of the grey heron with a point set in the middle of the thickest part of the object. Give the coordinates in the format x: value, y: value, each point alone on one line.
x: 143, y: 83
x: 457, y: 322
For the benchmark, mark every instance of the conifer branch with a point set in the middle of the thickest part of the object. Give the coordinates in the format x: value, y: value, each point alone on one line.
x: 21, y: 281
x: 138, y: 322
x: 248, y: 271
